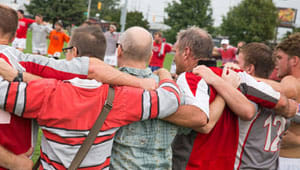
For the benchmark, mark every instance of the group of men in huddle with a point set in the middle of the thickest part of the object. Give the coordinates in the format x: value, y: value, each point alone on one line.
x: 211, y: 118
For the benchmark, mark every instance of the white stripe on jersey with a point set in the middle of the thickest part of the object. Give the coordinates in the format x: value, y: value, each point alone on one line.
x: 46, y: 165
x: 3, y: 92
x: 20, y: 101
x: 261, y: 86
x: 201, y: 98
x: 146, y: 105
x: 12, y: 55
x: 64, y: 133
x: 84, y: 83
x: 168, y: 103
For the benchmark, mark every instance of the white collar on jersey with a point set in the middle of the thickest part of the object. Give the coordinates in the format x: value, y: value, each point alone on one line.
x: 85, y: 83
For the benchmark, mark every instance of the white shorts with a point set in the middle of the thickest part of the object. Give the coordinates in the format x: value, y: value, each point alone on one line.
x: 42, y: 51
x: 289, y: 163
x: 111, y: 60
x: 19, y: 43
x: 173, y: 68
x: 56, y: 55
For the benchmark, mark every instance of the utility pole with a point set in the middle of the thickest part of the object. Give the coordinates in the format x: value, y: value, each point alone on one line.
x: 89, y: 9
x: 123, y: 16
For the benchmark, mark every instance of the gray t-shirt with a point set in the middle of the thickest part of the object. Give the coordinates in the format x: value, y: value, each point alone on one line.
x: 39, y: 35
x: 259, y: 140
x: 111, y: 41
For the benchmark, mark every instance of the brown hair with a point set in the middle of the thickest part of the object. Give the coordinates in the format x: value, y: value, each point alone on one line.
x: 291, y: 45
x: 198, y: 40
x: 260, y: 55
x: 8, y: 21
x: 158, y: 33
x: 90, y: 41
x: 39, y: 15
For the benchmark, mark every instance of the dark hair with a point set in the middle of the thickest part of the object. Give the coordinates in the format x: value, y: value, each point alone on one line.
x: 8, y: 21
x: 260, y: 55
x: 21, y: 11
x: 59, y: 22
x: 291, y: 45
x: 39, y: 15
x: 90, y: 41
x: 158, y: 33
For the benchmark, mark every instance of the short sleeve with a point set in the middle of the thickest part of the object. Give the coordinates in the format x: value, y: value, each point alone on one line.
x: 195, y: 91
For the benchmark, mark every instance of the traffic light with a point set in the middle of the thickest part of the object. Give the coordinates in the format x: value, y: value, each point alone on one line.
x: 99, y: 5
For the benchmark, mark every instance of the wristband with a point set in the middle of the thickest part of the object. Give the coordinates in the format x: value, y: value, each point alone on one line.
x: 19, y: 77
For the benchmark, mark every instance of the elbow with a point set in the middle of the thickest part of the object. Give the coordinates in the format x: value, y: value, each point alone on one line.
x: 202, y: 125
x: 248, y: 112
x: 205, y: 129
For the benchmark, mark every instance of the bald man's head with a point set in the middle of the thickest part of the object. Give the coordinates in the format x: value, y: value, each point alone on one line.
x: 136, y: 44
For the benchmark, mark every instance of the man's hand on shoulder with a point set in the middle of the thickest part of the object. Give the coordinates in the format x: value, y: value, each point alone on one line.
x: 148, y: 84
x: 6, y: 71
x: 231, y: 77
x: 206, y: 73
x: 163, y: 74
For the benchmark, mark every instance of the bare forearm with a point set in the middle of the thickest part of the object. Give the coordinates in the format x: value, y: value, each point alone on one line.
x: 275, y: 85
x: 188, y: 116
x: 215, y: 111
x: 6, y: 158
x: 286, y: 107
x: 234, y: 99
x: 29, y: 77
x: 104, y: 73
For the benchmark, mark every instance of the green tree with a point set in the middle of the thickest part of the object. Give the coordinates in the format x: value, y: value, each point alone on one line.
x: 250, y: 21
x: 187, y: 13
x: 52, y: 10
x: 136, y: 18
x: 109, y: 11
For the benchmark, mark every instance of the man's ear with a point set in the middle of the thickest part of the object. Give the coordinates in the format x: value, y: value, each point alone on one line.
x: 75, y: 52
x: 186, y: 53
x: 294, y: 60
x: 250, y: 69
x: 119, y: 52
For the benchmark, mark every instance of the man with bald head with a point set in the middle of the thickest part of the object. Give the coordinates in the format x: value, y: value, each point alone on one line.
x: 146, y: 144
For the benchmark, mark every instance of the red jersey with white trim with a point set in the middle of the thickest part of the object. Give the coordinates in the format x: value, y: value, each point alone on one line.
x: 217, y: 150
x: 23, y: 26
x: 228, y: 55
x: 19, y: 134
x: 66, y: 111
x: 159, y: 53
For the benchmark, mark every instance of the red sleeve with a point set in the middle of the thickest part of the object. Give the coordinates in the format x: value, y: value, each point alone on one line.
x: 133, y: 104
x: 168, y: 48
x: 26, y: 100
x: 29, y: 21
x: 58, y: 69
